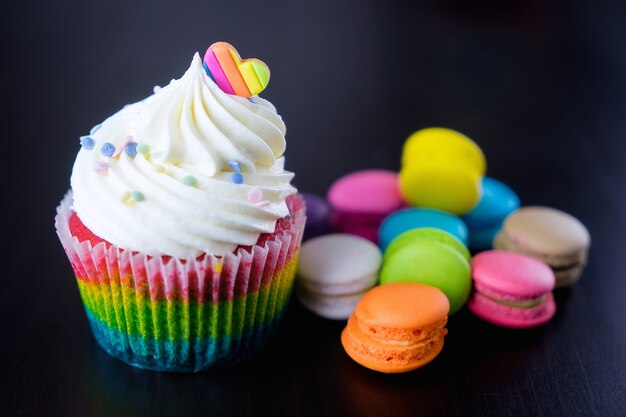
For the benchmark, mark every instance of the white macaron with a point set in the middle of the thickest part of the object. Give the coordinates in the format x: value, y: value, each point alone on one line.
x: 334, y: 272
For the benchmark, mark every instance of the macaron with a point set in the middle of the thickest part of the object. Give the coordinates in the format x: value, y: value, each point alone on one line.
x: 428, y: 234
x: 485, y: 220
x: 443, y: 146
x: 481, y: 239
x: 369, y: 232
x: 442, y: 169
x: 430, y: 256
x: 511, y: 289
x: 334, y: 272
x: 444, y: 186
x: 317, y: 216
x: 413, y: 218
x: 498, y: 201
x: 362, y: 199
x: 553, y: 236
x: 397, y: 327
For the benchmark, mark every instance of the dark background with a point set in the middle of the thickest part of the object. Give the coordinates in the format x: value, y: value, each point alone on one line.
x: 540, y: 85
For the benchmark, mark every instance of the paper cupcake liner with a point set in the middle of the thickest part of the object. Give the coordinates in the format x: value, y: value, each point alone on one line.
x: 167, y: 314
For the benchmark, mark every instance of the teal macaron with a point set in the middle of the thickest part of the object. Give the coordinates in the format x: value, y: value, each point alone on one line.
x: 430, y: 256
x: 485, y: 220
x: 413, y: 218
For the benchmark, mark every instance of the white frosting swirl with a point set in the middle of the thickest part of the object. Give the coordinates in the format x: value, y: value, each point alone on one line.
x: 194, y: 129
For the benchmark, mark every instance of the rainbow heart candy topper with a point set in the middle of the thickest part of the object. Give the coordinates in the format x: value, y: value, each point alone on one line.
x: 244, y: 78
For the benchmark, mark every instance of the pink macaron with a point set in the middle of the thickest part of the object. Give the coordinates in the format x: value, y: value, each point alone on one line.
x: 511, y: 289
x: 362, y: 199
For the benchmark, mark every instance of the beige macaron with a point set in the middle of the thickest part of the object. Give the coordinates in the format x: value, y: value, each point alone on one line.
x: 555, y: 237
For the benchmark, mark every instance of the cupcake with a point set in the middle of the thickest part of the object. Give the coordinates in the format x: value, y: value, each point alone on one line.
x: 181, y: 225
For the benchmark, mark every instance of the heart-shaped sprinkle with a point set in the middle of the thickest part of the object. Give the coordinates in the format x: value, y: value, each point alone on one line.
x: 245, y: 78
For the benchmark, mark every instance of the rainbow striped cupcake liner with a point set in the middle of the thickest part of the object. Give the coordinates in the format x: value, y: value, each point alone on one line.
x: 167, y: 314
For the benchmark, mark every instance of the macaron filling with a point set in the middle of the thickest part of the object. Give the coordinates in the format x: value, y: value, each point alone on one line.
x: 389, y: 335
x: 354, y: 286
x: 509, y: 299
x: 499, y: 313
x: 524, y: 303
x: 568, y: 267
x: 402, y: 352
x: 506, y: 242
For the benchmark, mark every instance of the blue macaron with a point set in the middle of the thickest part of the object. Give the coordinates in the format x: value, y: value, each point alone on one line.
x: 497, y: 202
x: 481, y: 239
x: 413, y: 218
x: 485, y: 220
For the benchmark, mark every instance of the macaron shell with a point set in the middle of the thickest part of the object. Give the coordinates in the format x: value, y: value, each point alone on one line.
x: 413, y: 218
x: 357, y: 220
x: 512, y: 317
x: 339, y: 259
x: 567, y: 268
x: 369, y: 233
x: 512, y: 273
x: 446, y: 187
x: 503, y: 241
x: 369, y: 191
x: 317, y: 216
x: 317, y: 208
x: 434, y: 264
x: 388, y: 358
x: 481, y: 239
x: 334, y: 271
x: 568, y: 276
x: 428, y: 234
x: 358, y: 284
x: 443, y: 145
x: 364, y: 225
x: 329, y: 307
x: 548, y: 231
x: 498, y: 201
x: 403, y: 305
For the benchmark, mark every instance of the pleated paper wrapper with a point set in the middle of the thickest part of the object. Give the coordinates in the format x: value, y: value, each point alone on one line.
x: 168, y: 314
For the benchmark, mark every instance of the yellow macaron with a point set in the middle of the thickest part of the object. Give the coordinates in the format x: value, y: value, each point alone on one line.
x: 439, y: 145
x: 442, y: 169
x: 451, y: 188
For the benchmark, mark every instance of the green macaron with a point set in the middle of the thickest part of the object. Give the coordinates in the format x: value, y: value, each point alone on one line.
x: 431, y: 234
x: 433, y: 257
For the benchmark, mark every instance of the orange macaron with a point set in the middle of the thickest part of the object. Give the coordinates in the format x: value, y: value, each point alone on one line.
x: 397, y: 327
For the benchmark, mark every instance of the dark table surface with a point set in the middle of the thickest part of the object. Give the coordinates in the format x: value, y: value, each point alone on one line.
x: 540, y: 85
